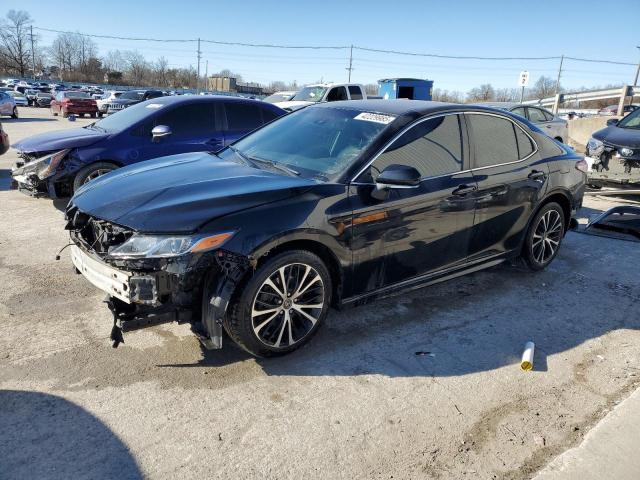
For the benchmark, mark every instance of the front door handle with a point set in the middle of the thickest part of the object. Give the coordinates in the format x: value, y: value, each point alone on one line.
x: 537, y: 175
x: 464, y: 189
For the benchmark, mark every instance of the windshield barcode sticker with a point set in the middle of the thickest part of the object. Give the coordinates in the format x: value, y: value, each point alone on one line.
x: 375, y: 117
x: 154, y: 105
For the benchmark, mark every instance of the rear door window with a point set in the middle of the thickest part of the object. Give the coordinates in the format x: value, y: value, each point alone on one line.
x: 243, y: 116
x: 355, y: 92
x: 494, y: 140
x: 536, y: 115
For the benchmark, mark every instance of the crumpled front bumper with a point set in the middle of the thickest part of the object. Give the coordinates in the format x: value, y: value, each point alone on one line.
x: 30, y: 184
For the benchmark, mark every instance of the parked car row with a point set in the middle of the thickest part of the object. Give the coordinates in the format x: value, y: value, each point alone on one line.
x: 233, y: 215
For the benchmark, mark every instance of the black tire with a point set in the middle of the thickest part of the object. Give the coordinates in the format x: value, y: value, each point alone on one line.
x: 53, y: 112
x: 15, y: 112
x: 544, y: 237
x: 92, y: 171
x: 100, y: 114
x: 270, y: 340
x: 65, y: 114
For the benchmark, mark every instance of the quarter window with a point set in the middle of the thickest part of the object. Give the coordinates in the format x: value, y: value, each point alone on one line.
x: 433, y: 147
x: 525, y: 146
x: 494, y: 140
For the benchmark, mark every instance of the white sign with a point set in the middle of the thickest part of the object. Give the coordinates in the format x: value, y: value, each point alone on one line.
x: 523, y: 80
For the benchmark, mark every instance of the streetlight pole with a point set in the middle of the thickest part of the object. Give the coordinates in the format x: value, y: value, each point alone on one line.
x: 635, y: 82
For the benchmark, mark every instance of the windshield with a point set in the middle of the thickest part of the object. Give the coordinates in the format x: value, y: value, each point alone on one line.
x: 77, y: 95
x: 44, y: 95
x: 132, y: 95
x: 631, y: 121
x: 128, y: 117
x: 309, y: 94
x: 317, y: 142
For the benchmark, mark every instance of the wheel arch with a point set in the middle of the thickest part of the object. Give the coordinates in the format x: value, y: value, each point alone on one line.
x: 318, y: 248
x: 563, y: 199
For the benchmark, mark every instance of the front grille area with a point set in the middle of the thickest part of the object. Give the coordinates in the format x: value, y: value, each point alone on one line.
x: 95, y: 235
x: 27, y: 157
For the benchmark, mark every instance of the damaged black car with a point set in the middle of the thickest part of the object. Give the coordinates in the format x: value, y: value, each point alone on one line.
x: 332, y: 205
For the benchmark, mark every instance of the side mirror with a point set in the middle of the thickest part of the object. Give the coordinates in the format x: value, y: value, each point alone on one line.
x: 398, y: 176
x: 612, y: 121
x: 158, y: 132
x: 395, y: 176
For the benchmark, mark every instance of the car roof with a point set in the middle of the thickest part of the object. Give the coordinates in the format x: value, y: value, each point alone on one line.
x: 402, y: 107
x: 177, y: 99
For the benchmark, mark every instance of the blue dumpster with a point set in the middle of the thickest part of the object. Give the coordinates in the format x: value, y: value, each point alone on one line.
x: 411, y: 88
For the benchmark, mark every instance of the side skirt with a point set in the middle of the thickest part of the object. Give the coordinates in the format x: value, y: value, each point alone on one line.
x: 421, y: 282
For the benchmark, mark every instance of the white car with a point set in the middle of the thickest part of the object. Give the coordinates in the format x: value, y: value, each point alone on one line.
x: 280, y: 97
x: 19, y: 98
x: 324, y: 92
x: 551, y: 124
x: 107, y: 97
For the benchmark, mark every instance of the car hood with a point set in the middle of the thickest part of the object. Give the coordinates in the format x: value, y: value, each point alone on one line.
x: 60, y: 139
x: 293, y: 105
x: 622, y: 137
x: 180, y: 193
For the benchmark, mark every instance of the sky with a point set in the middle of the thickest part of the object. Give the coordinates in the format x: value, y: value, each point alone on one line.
x: 584, y: 29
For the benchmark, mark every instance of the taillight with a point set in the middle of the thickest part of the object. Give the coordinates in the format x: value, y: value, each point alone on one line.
x: 582, y: 165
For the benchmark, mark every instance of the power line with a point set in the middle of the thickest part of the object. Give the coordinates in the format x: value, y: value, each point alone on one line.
x: 335, y: 47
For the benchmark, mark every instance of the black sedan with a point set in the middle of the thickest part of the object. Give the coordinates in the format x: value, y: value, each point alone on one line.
x: 332, y: 205
x: 614, y: 153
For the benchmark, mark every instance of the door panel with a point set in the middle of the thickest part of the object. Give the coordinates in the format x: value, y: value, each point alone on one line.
x: 508, y: 188
x: 413, y: 232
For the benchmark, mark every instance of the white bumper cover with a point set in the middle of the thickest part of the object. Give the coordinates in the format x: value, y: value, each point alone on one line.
x: 108, y: 279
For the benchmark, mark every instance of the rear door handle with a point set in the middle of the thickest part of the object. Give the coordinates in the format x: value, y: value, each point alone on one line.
x: 536, y: 175
x: 464, y: 189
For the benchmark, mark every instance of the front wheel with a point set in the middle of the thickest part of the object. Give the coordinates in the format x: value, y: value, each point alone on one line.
x: 544, y: 236
x: 15, y: 112
x: 91, y: 172
x: 282, y: 305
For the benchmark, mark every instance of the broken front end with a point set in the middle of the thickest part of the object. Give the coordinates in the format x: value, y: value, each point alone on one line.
x: 153, y: 279
x: 37, y: 174
x: 612, y: 165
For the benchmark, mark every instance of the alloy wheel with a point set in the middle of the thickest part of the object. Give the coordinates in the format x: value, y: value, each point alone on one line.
x: 288, y: 305
x: 95, y: 174
x: 547, y: 236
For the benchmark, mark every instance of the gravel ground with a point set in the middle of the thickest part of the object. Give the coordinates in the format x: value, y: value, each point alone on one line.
x: 355, y: 403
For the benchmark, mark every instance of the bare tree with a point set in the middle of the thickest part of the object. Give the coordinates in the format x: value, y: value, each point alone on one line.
x: 452, y: 96
x: 544, y: 87
x: 15, y: 47
x: 483, y: 93
x: 113, y: 61
x: 64, y: 52
x: 160, y: 68
x: 137, y: 67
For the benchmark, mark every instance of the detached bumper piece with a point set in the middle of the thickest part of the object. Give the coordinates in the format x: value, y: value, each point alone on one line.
x: 134, y: 300
x: 30, y: 185
x: 619, y: 222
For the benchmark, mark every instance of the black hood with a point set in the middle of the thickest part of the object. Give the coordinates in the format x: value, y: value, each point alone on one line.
x: 60, y: 139
x: 620, y: 137
x: 180, y: 193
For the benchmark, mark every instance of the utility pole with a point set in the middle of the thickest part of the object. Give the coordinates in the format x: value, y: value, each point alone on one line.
x: 559, y: 74
x: 198, y: 77
x: 350, y: 63
x: 33, y: 55
x: 206, y: 76
x: 635, y: 82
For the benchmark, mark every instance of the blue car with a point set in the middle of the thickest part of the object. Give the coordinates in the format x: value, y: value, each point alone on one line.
x: 58, y: 163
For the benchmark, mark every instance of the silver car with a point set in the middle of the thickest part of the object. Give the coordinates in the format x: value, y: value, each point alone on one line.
x: 546, y: 121
x: 8, y: 105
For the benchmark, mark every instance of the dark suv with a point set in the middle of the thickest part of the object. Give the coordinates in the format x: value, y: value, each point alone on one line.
x: 334, y: 204
x: 132, y: 97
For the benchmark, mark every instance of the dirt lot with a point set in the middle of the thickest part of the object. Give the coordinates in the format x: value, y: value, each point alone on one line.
x: 355, y: 403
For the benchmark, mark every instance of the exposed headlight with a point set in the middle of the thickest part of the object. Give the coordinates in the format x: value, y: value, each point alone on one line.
x: 161, y: 246
x: 594, y: 147
x: 43, y: 167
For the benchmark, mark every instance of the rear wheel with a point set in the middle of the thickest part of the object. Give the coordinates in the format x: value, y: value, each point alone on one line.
x: 91, y: 172
x: 544, y: 236
x: 15, y: 112
x: 282, y: 305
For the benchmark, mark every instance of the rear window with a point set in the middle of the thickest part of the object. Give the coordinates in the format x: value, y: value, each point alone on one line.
x: 355, y: 92
x: 77, y: 95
